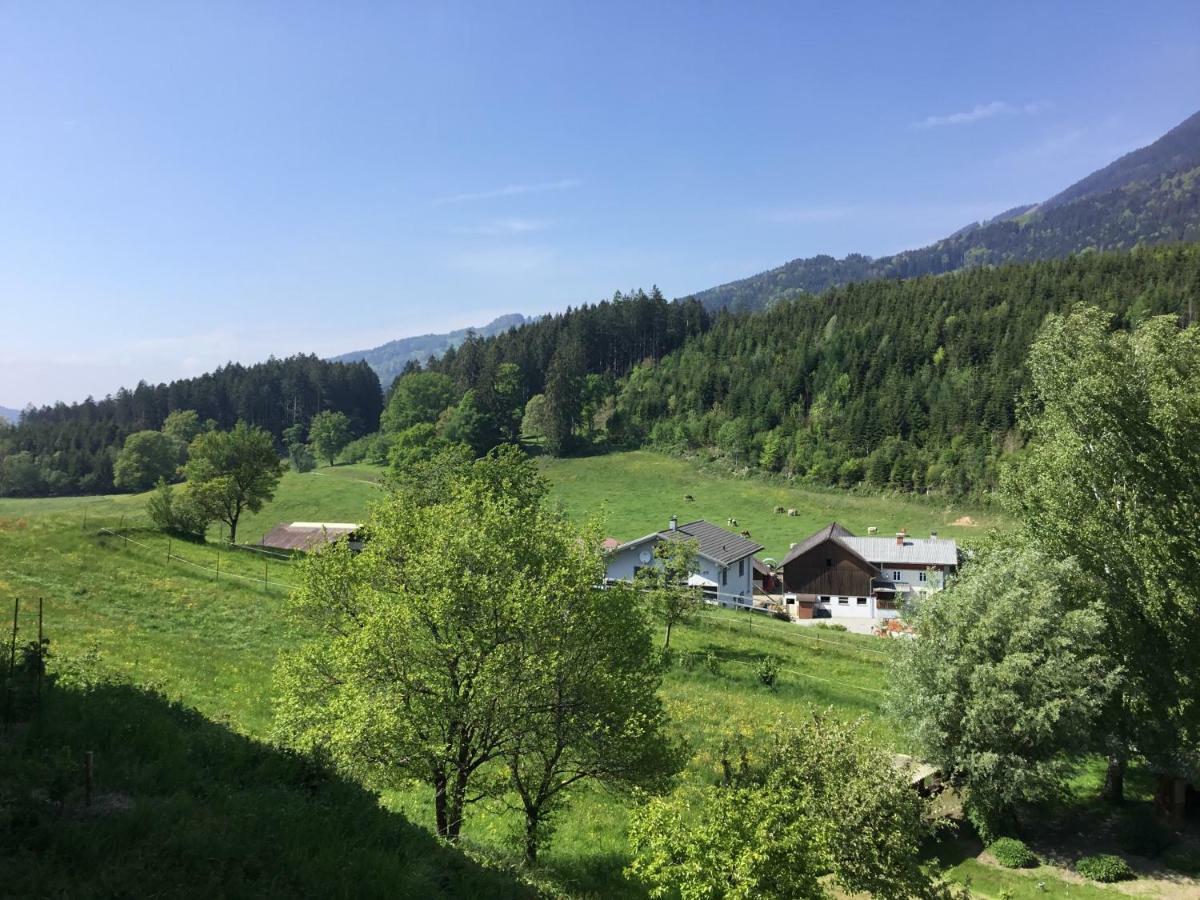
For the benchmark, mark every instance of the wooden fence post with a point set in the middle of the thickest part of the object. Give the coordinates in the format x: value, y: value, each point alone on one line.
x: 218, y: 562
x: 168, y: 549
x: 122, y: 528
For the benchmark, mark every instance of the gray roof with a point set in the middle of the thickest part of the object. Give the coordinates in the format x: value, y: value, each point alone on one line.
x: 882, y: 551
x: 914, y: 551
x: 306, y: 535
x: 718, y: 544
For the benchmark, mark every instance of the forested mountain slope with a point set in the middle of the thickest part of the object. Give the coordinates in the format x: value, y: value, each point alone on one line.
x: 388, y: 360
x: 1149, y: 196
x: 904, y: 384
x: 70, y: 448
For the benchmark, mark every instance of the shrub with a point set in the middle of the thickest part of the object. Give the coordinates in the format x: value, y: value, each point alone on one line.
x: 1183, y: 859
x: 768, y: 670
x: 1012, y: 853
x: 830, y: 626
x: 687, y: 660
x: 179, y: 511
x: 1104, y: 867
x: 1144, y: 835
x: 712, y: 663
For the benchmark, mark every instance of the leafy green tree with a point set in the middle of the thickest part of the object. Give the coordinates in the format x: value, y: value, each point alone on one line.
x: 591, y: 687
x: 298, y: 453
x: 178, y: 509
x: 422, y: 667
x: 664, y: 584
x: 413, y: 446
x: 418, y: 398
x: 533, y: 423
x: 468, y: 424
x: 1006, y: 683
x: 229, y: 472
x: 328, y: 433
x: 819, y: 803
x: 1110, y: 479
x: 21, y: 476
x: 146, y: 457
x: 182, y: 426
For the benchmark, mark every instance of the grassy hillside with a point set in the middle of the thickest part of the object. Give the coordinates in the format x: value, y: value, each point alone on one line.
x: 637, y: 493
x: 198, y: 803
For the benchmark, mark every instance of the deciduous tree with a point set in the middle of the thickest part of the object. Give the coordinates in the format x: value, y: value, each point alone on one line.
x: 820, y: 800
x: 1006, y: 682
x: 146, y: 457
x: 328, y: 433
x: 230, y: 472
x: 665, y: 587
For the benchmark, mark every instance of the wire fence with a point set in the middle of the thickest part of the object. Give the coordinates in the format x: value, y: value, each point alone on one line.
x: 265, y: 581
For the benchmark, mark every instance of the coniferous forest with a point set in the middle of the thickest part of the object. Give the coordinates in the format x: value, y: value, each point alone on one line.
x: 71, y: 448
x: 909, y: 385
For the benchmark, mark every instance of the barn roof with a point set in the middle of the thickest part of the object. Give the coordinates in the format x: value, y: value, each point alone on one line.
x: 882, y: 551
x: 307, y: 535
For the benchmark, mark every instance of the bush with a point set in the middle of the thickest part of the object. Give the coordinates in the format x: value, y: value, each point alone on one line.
x: 712, y: 662
x: 179, y: 511
x: 687, y: 660
x: 1012, y: 853
x: 830, y: 626
x: 1144, y: 835
x: 768, y: 670
x: 1104, y: 867
x: 1183, y: 859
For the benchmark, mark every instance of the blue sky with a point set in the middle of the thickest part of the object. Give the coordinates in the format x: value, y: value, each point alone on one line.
x: 182, y: 184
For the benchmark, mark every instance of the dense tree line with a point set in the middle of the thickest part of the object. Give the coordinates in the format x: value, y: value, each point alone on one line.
x: 72, y: 448
x: 554, y: 376
x: 909, y: 384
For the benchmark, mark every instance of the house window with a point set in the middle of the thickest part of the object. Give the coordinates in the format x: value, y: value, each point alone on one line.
x: 895, y: 575
x: 861, y: 601
x: 741, y: 567
x: 843, y: 601
x: 825, y: 599
x: 724, y: 576
x: 923, y: 575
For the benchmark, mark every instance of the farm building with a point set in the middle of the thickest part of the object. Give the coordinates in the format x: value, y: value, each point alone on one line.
x: 308, y: 536
x: 835, y: 573
x: 725, y: 563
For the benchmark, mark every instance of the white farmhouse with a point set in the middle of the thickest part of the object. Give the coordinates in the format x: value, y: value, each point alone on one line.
x: 725, y: 561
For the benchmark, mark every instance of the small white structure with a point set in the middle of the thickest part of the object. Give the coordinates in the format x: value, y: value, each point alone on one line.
x: 725, y: 560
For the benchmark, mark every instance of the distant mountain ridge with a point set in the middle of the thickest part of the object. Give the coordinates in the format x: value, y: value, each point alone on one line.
x: 1149, y: 196
x: 9, y: 415
x: 388, y: 360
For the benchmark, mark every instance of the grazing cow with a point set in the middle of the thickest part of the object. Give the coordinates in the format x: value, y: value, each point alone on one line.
x: 793, y: 512
x: 689, y: 498
x: 732, y: 522
x: 779, y: 510
x: 872, y: 529
x: 745, y: 533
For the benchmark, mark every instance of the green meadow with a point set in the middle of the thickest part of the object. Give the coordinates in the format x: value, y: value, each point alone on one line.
x: 204, y: 642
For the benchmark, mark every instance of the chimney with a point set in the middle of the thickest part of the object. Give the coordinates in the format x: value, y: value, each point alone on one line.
x: 900, y: 538
x: 674, y: 523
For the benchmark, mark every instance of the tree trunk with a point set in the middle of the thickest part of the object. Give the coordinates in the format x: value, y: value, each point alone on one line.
x: 233, y: 529
x: 439, y: 805
x: 667, y: 643
x: 1114, y: 780
x: 531, y: 836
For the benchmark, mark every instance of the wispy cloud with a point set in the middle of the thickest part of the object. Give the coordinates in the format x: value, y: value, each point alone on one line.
x: 511, y: 190
x: 504, y: 227
x: 982, y: 111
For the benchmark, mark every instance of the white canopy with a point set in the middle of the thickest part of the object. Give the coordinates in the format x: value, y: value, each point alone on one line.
x: 700, y: 581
